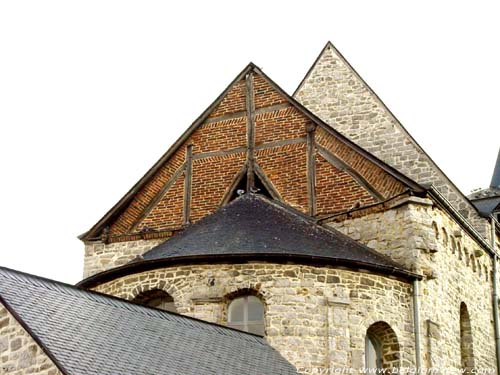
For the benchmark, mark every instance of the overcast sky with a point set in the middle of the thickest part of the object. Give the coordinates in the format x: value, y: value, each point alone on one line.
x: 92, y: 93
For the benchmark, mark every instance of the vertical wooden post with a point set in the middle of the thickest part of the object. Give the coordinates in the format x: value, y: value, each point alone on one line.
x: 250, y: 109
x: 187, y: 184
x: 311, y: 169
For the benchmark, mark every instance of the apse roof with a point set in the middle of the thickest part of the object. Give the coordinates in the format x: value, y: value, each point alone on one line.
x: 253, y: 225
x: 89, y: 333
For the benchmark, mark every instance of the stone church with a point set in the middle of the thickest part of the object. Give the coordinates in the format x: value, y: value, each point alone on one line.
x: 279, y: 234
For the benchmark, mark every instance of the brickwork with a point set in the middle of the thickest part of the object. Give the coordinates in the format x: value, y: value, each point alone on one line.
x: 286, y: 168
x: 219, y: 154
x: 140, y: 202
x: 220, y: 135
x: 317, y: 317
x: 19, y: 353
x: 287, y: 123
x: 336, y: 190
x: 211, y: 180
x: 383, y: 183
x: 265, y: 94
x: 234, y: 101
x: 167, y: 213
x: 336, y: 94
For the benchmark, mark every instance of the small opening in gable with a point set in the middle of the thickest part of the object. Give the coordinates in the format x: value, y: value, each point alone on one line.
x: 241, y: 187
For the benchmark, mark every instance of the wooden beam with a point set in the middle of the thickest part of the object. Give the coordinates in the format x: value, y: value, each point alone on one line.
x: 241, y: 149
x: 339, y: 164
x: 250, y: 107
x: 311, y: 169
x: 259, y: 172
x: 187, y: 184
x: 236, y: 115
x: 158, y: 197
x: 234, y: 183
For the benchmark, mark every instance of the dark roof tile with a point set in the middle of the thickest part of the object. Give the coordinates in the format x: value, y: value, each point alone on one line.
x: 255, y: 225
x: 90, y: 333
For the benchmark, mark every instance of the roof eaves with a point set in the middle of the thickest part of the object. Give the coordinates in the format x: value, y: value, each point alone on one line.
x: 42, y: 281
x: 313, y: 222
x: 461, y: 220
x: 147, y: 265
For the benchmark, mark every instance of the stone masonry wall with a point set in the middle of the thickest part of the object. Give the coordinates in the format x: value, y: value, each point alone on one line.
x: 335, y: 93
x: 19, y: 353
x: 100, y: 257
x: 317, y: 317
x: 457, y: 270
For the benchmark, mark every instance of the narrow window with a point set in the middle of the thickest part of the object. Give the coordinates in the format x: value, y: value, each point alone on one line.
x: 158, y: 299
x: 246, y: 313
x: 466, y: 345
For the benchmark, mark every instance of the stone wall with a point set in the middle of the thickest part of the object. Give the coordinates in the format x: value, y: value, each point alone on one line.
x: 317, y: 317
x: 334, y: 92
x: 457, y: 270
x: 100, y: 256
x: 19, y: 353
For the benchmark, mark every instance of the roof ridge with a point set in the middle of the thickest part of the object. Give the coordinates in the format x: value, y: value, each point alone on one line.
x: 309, y: 71
x: 109, y: 300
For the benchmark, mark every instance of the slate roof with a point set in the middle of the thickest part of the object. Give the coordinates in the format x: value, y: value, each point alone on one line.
x: 488, y: 200
x: 255, y: 225
x: 89, y: 333
x: 495, y: 178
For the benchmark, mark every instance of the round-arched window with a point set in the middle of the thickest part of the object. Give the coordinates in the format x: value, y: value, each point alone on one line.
x: 157, y: 299
x: 246, y: 313
x: 382, y: 349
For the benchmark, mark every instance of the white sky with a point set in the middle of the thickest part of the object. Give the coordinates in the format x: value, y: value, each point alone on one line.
x: 92, y: 93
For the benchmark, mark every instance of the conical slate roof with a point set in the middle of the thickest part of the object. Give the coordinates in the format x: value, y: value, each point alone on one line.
x: 253, y: 225
x: 495, y: 179
x: 488, y: 200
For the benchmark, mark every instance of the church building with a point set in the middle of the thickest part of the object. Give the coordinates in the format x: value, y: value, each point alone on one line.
x: 280, y: 234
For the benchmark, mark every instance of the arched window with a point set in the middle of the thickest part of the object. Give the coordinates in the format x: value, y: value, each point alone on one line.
x: 436, y: 230
x: 158, y: 299
x: 453, y: 245
x: 445, y: 236
x: 466, y: 345
x: 382, y: 349
x: 246, y: 313
x: 373, y: 353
